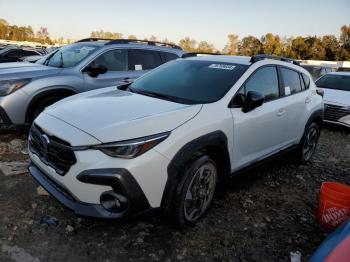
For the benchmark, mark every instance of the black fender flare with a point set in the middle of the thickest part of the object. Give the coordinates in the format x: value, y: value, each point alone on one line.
x: 316, y: 116
x: 61, y: 90
x: 215, y: 140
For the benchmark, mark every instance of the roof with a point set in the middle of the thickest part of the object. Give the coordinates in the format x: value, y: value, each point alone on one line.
x: 224, y: 58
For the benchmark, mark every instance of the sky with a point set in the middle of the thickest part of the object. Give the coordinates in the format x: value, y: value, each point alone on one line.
x: 207, y: 20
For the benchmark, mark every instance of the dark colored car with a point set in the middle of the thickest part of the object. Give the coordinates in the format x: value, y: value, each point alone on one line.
x: 318, y: 71
x: 14, y: 54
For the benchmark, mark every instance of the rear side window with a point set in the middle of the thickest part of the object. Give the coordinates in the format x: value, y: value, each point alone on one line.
x: 264, y: 81
x: 143, y: 59
x: 291, y: 80
x: 306, y: 81
x: 166, y: 57
x: 114, y: 60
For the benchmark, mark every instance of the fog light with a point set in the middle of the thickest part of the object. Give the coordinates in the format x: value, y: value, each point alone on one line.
x: 113, y: 202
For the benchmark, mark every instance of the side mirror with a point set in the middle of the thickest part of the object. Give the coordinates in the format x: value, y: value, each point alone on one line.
x: 252, y: 101
x: 95, y: 70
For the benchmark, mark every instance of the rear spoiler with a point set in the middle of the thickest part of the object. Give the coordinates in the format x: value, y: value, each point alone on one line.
x: 192, y: 54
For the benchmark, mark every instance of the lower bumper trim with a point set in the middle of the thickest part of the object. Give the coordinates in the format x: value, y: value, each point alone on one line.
x: 63, y: 196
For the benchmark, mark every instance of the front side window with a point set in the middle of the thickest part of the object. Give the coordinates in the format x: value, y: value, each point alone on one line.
x: 113, y: 60
x: 264, y: 81
x: 190, y: 81
x: 70, y: 55
x: 334, y: 81
x: 291, y: 80
x: 143, y: 59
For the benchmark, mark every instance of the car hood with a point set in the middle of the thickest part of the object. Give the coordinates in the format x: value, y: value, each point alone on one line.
x: 25, y: 70
x: 111, y: 115
x: 337, y: 96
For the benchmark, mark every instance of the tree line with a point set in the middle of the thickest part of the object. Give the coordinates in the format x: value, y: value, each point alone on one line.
x: 328, y: 47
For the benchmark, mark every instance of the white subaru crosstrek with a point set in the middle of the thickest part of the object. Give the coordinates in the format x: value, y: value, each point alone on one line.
x: 165, y: 140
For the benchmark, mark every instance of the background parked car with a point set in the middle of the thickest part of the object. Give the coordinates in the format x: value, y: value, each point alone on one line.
x: 318, y: 71
x: 26, y: 89
x: 336, y: 88
x: 14, y: 54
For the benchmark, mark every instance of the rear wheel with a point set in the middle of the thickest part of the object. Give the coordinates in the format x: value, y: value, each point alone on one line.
x: 308, y: 143
x: 196, y: 191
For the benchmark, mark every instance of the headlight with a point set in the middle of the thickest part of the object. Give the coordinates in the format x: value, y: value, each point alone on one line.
x: 9, y: 86
x: 131, y: 148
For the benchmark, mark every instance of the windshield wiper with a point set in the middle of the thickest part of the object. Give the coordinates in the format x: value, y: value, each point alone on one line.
x: 157, y: 95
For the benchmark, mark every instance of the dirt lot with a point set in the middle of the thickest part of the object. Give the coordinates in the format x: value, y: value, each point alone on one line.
x: 264, y: 215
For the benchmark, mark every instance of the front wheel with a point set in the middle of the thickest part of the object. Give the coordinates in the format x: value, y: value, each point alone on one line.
x: 308, y: 143
x: 196, y: 191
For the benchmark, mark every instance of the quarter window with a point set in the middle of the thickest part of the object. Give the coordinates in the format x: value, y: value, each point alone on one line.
x: 306, y: 81
x: 114, y: 60
x: 264, y: 81
x: 291, y: 80
x: 143, y: 59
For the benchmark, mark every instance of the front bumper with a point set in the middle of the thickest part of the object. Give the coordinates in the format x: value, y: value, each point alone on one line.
x: 120, y: 180
x: 6, y: 123
x: 337, y: 114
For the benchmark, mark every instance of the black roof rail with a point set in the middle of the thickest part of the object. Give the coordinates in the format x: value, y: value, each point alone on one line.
x: 192, y: 54
x: 93, y: 39
x: 146, y: 42
x: 260, y: 57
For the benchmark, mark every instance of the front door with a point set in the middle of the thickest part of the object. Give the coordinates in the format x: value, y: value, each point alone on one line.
x: 260, y: 132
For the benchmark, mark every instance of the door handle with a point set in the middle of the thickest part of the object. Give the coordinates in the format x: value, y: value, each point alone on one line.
x: 307, y: 100
x: 281, y: 112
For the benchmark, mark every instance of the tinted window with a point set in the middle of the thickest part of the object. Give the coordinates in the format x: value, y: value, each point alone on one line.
x: 340, y: 82
x: 190, y: 81
x: 143, y: 59
x: 302, y: 82
x: 28, y: 53
x: 291, y: 81
x: 306, y: 80
x: 114, y: 60
x: 166, y: 57
x: 264, y: 81
x: 15, y: 53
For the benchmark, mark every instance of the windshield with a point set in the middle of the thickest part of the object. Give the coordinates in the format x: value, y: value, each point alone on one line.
x: 190, y: 81
x: 340, y: 82
x: 70, y: 56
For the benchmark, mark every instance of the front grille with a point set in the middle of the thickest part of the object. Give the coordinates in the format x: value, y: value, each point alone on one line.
x: 51, y: 150
x: 333, y: 112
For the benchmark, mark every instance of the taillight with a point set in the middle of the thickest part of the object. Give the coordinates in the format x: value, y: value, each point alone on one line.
x: 320, y: 91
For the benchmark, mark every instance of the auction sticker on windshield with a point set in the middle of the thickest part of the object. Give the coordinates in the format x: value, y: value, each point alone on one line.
x: 222, y: 66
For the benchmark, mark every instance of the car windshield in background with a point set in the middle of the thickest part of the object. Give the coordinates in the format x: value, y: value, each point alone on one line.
x: 70, y: 56
x: 340, y: 82
x: 190, y: 81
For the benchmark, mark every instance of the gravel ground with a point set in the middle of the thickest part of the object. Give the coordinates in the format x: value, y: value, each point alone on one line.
x: 263, y: 216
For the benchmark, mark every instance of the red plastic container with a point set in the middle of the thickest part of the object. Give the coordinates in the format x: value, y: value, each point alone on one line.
x: 334, y: 207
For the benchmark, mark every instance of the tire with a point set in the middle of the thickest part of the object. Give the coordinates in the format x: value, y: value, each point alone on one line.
x: 196, y: 190
x: 308, y: 143
x: 41, y: 105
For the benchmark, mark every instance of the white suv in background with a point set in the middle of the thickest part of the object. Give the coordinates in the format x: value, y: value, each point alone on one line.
x: 165, y: 140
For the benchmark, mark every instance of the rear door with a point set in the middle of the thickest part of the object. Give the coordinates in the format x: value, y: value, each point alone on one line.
x: 141, y: 61
x: 296, y: 99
